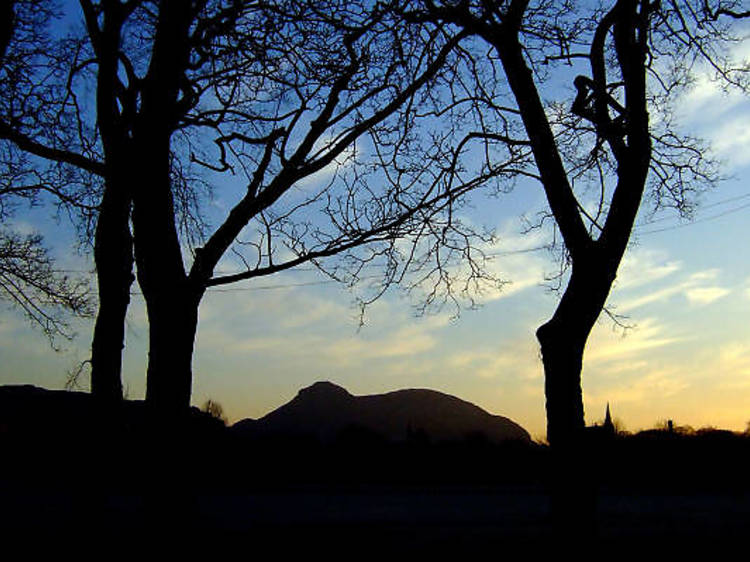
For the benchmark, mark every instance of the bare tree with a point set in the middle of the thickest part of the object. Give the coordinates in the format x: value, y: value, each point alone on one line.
x: 298, y: 105
x: 28, y: 278
x: 47, y: 125
x: 286, y: 92
x: 635, y: 57
x: 215, y: 410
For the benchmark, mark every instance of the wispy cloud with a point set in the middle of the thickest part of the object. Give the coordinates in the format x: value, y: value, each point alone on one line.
x: 646, y: 384
x: 719, y: 115
x: 518, y: 360
x: 406, y: 341
x: 733, y: 361
x: 705, y: 295
x: 606, y: 345
x: 698, y: 288
x: 643, y: 267
x: 517, y: 258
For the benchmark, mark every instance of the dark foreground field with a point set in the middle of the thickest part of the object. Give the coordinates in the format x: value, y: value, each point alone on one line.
x: 384, y: 517
x: 79, y: 476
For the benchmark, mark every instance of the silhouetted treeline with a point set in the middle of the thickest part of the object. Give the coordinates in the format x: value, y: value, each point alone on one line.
x: 50, y: 437
x: 657, y: 459
x: 196, y: 473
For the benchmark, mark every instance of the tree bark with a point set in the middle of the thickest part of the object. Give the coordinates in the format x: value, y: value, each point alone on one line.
x: 171, y: 299
x: 7, y: 25
x: 113, y: 255
x: 173, y: 321
x: 563, y: 340
x: 113, y: 242
x: 594, y: 262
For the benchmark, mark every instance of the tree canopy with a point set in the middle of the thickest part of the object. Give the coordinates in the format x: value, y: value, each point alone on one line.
x: 346, y: 135
x: 29, y: 278
x: 615, y: 144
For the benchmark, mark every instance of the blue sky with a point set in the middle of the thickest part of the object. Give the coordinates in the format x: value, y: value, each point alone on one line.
x: 684, y: 288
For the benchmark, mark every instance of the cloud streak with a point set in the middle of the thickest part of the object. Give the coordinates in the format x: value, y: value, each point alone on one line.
x: 698, y: 289
x: 607, y: 346
x: 718, y: 115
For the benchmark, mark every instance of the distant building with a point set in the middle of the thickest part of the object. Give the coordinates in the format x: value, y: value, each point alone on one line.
x: 604, y: 432
x: 608, y: 428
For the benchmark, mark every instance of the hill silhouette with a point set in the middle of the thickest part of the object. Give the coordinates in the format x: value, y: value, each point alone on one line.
x: 327, y: 412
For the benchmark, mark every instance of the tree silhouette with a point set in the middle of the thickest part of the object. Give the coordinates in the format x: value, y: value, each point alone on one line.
x: 638, y: 56
x: 318, y: 113
x: 28, y: 278
x: 320, y: 81
x: 215, y: 410
x: 347, y: 127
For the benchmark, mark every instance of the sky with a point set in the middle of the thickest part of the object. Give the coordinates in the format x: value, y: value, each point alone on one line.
x: 683, y: 292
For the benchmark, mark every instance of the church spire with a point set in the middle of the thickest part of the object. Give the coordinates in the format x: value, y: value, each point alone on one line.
x: 608, y: 425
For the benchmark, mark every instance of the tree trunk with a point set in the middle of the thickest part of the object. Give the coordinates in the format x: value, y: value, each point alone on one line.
x: 113, y: 243
x: 173, y: 321
x: 563, y: 340
x: 562, y: 344
x: 171, y: 299
x: 113, y: 255
x: 7, y: 26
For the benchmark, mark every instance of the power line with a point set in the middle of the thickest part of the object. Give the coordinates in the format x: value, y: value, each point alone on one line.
x: 698, y: 221
x: 258, y: 288
x: 703, y: 207
x: 235, y: 272
x: 328, y: 281
x: 492, y: 254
